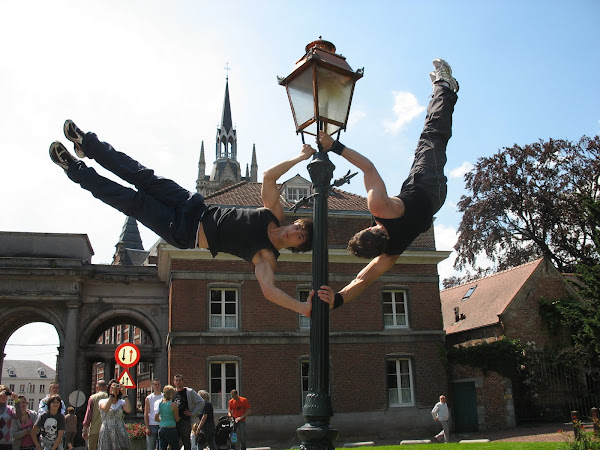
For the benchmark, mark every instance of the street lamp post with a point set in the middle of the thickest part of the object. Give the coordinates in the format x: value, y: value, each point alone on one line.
x: 320, y: 90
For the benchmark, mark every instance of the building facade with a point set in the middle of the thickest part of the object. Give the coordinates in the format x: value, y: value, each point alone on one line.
x: 29, y: 378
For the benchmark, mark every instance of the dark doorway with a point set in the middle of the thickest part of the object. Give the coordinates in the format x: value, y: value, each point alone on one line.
x: 465, y: 407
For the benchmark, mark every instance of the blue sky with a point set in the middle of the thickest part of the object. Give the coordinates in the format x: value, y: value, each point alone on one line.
x: 149, y: 78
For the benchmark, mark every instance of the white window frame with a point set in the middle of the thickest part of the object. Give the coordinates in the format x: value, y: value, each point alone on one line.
x: 302, y: 295
x: 304, y: 379
x: 295, y: 193
x: 399, y: 303
x: 42, y: 388
x: 403, y: 381
x: 219, y: 397
x: 222, y: 317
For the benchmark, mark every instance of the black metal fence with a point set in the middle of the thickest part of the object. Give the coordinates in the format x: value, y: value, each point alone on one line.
x: 550, y: 389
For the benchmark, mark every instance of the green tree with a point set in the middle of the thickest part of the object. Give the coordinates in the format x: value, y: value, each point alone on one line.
x: 580, y: 315
x: 525, y: 202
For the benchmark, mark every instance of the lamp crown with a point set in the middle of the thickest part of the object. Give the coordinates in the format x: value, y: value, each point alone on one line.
x: 322, y: 44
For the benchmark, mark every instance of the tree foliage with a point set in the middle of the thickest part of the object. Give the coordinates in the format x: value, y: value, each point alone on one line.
x: 529, y: 201
x: 580, y: 314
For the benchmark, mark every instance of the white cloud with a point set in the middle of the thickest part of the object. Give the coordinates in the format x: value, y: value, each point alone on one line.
x: 406, y: 108
x: 445, y: 238
x: 460, y: 171
x: 356, y: 115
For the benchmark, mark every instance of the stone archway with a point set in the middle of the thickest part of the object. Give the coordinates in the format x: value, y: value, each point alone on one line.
x: 49, y: 278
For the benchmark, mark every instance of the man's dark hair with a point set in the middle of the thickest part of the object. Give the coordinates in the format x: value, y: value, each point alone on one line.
x: 307, y: 226
x: 368, y: 243
x: 54, y: 398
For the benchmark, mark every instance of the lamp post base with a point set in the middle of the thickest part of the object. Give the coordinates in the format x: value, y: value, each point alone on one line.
x: 317, y: 435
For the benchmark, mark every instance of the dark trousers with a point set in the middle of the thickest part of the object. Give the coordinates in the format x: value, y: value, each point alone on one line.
x: 162, y: 205
x: 168, y: 436
x: 184, y: 428
x: 427, y: 170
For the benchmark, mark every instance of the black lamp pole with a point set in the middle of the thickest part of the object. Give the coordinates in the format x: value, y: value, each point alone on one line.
x: 317, y: 434
x: 320, y: 90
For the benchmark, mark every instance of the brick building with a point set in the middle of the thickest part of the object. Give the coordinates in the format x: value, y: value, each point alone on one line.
x: 386, y: 370
x: 505, y: 304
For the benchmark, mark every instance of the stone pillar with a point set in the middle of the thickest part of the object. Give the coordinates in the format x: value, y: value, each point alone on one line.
x: 160, y: 367
x: 69, y: 367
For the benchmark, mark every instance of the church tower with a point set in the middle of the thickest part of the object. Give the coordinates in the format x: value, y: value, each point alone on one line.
x: 226, y: 169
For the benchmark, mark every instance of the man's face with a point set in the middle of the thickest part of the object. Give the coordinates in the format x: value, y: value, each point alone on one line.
x: 443, y: 399
x: 295, y: 234
x: 178, y: 382
x: 54, y: 388
x: 156, y: 386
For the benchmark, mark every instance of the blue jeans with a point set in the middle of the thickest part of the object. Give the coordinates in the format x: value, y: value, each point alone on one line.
x: 162, y: 205
x: 152, y: 438
x: 427, y: 170
x: 168, y: 436
x: 240, y: 430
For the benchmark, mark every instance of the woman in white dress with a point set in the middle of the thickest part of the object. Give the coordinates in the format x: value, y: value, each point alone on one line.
x: 113, y: 434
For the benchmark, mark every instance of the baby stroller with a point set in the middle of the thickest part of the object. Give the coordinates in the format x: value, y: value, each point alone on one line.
x: 223, y: 436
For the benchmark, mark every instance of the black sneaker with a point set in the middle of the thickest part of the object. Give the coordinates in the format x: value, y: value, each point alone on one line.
x: 60, y: 155
x: 75, y: 135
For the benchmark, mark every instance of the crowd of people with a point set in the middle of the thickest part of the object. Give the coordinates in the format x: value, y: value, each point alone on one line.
x: 51, y: 427
x: 179, y: 417
x: 175, y: 417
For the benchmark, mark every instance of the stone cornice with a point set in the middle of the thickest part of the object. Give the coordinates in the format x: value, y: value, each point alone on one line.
x: 166, y: 253
x: 301, y: 337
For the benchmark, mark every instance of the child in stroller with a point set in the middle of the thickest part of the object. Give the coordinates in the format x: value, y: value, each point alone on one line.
x: 223, y: 437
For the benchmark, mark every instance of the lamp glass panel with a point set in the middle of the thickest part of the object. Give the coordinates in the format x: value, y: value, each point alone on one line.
x: 300, y: 90
x: 334, y: 92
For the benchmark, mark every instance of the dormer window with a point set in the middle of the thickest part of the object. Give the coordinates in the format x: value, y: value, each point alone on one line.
x: 12, y: 372
x: 42, y: 372
x: 294, y: 194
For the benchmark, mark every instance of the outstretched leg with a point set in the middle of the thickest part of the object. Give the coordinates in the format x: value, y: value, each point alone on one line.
x: 125, y: 167
x: 155, y: 215
x: 427, y: 171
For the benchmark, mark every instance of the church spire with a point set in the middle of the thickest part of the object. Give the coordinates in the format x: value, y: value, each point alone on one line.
x: 130, y: 241
x: 254, y: 166
x: 226, y: 122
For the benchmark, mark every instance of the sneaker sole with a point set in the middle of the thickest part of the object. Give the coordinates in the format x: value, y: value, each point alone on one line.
x: 74, y: 137
x: 56, y: 149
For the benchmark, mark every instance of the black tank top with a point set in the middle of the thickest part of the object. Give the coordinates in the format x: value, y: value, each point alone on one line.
x: 417, y: 219
x: 241, y: 231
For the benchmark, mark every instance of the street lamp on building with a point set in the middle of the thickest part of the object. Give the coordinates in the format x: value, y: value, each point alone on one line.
x: 320, y: 90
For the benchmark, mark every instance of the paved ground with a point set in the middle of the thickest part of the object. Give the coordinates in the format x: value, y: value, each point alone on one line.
x: 524, y: 433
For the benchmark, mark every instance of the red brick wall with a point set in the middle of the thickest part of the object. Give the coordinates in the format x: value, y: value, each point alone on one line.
x: 491, y: 395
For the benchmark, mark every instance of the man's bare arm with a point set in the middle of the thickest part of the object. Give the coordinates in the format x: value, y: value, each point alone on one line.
x: 379, y: 202
x: 371, y: 272
x: 270, y: 192
x: 264, y: 261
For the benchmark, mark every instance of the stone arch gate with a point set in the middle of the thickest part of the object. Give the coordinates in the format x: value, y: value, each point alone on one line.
x: 49, y: 278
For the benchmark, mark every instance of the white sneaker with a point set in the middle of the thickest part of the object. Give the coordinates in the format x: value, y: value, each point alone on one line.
x: 443, y: 72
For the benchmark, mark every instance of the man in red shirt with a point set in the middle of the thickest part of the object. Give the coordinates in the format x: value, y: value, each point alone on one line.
x: 239, y: 408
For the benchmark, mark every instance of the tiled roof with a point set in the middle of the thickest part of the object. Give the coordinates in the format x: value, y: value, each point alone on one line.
x: 490, y: 298
x: 26, y: 369
x: 246, y: 193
